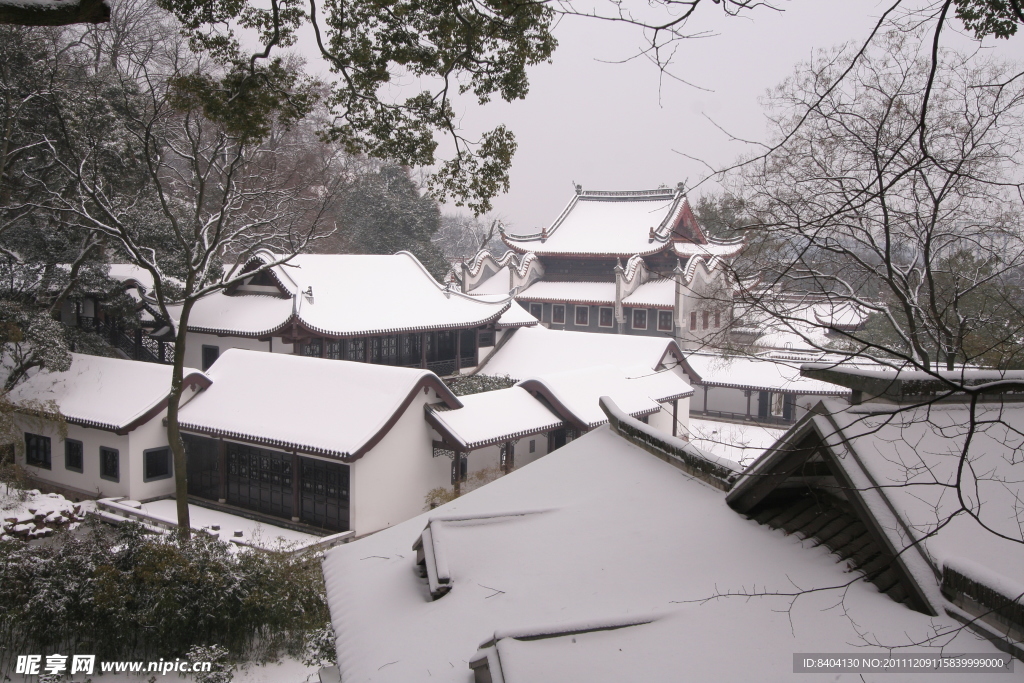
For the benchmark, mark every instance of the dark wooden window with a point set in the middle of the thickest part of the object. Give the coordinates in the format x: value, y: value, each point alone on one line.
x: 203, y: 469
x: 583, y: 315
x: 314, y: 348
x: 704, y: 319
x: 325, y: 494
x: 558, y: 314
x: 487, y: 338
x: 411, y: 349
x: 156, y: 464
x: 606, y: 317
x: 375, y: 349
x: 693, y: 320
x: 533, y: 445
x: 110, y: 464
x: 356, y: 349
x: 73, y: 455
x: 389, y: 350
x: 37, y: 450
x: 664, y: 320
x: 467, y: 347
x: 260, y: 479
x: 210, y: 355
x: 537, y: 311
x: 335, y: 349
x: 639, y: 318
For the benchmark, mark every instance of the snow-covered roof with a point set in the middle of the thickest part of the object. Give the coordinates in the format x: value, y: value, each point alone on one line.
x: 742, y: 443
x: 516, y: 316
x: 660, y: 293
x: 685, y: 250
x: 570, y: 292
x: 130, y: 273
x: 329, y: 407
x: 495, y: 416
x: 800, y: 324
x: 105, y: 393
x: 352, y: 295
x: 538, y: 351
x: 596, y: 535
x: 758, y: 373
x: 575, y: 394
x: 607, y: 223
x: 904, y: 459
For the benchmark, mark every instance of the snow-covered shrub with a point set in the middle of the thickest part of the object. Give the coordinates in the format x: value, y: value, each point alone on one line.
x: 477, y: 384
x: 221, y: 669
x: 320, y: 647
x: 126, y: 595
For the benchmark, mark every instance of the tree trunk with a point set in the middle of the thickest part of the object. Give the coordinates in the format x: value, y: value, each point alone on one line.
x: 173, y: 432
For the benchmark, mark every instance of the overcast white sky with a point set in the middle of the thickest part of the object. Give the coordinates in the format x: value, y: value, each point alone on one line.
x: 618, y: 127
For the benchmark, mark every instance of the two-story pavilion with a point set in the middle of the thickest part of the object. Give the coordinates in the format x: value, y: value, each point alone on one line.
x: 632, y: 262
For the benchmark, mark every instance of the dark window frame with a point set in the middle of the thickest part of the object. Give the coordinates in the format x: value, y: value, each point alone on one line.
x: 693, y: 320
x: 611, y: 317
x: 663, y: 315
x: 539, y: 315
x: 145, y: 464
x: 718, y: 319
x: 81, y: 456
x: 105, y: 452
x: 554, y: 309
x: 585, y: 310
x: 633, y: 318
x: 37, y: 443
x: 207, y: 348
x: 704, y: 319
x: 463, y: 463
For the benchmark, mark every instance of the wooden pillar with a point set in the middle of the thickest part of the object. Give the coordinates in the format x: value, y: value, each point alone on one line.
x: 510, y: 456
x: 367, y: 353
x: 748, y: 392
x: 423, y: 350
x: 458, y: 351
x: 296, y: 488
x: 675, y: 417
x: 707, y: 390
x: 323, y: 347
x: 222, y: 472
x: 138, y: 343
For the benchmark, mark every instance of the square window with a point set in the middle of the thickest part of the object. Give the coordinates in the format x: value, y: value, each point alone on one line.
x: 156, y: 464
x: 73, y: 451
x: 664, y: 320
x: 210, y: 355
x: 639, y: 318
x: 558, y: 314
x: 693, y: 320
x: 537, y: 311
x: 37, y: 450
x: 110, y: 464
x: 583, y: 315
x: 605, y: 317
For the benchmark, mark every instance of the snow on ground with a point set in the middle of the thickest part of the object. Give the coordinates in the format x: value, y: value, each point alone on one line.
x: 32, y: 514
x: 253, y: 532
x: 288, y: 670
x: 741, y: 443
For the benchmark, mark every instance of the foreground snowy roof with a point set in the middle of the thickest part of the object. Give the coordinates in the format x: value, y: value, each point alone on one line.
x: 906, y: 458
x: 105, y: 393
x: 496, y: 416
x: 575, y: 394
x: 539, y: 351
x: 328, y: 407
x: 344, y: 294
x: 758, y: 373
x: 547, y: 561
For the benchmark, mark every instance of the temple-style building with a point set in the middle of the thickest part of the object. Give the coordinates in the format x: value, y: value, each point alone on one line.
x: 623, y: 262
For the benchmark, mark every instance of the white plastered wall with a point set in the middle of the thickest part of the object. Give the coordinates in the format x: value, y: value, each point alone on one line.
x: 88, y: 482
x: 524, y: 456
x: 391, y: 481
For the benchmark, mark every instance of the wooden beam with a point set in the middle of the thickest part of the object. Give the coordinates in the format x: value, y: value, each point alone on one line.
x: 296, y: 488
x: 222, y: 471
